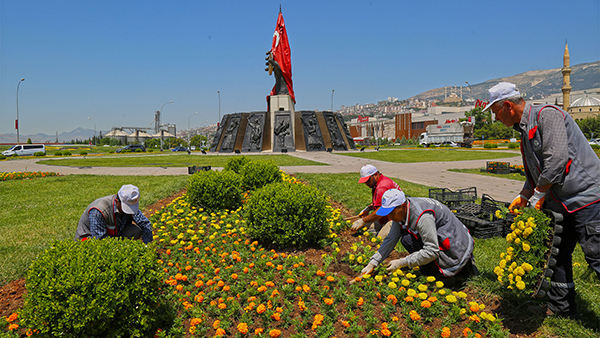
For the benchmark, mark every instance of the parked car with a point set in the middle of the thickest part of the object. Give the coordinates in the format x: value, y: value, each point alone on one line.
x: 24, y: 150
x: 594, y: 141
x: 179, y: 149
x: 448, y: 144
x: 132, y: 147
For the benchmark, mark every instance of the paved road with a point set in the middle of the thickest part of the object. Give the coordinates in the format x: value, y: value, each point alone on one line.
x: 433, y: 174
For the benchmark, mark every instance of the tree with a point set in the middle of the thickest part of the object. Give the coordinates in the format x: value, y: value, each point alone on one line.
x: 481, y: 118
x: 197, y: 140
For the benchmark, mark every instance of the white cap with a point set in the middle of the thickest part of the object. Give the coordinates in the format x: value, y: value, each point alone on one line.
x: 390, y: 200
x: 130, y: 198
x: 366, y: 172
x: 501, y: 91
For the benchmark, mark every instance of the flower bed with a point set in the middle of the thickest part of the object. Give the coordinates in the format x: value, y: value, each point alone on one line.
x: 24, y: 175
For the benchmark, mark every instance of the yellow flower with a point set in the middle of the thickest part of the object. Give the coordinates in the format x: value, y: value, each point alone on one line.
x: 392, y: 285
x: 451, y: 299
x: 405, y: 282
x: 411, y: 292
x: 422, y: 287
x: 520, y: 285
x: 439, y: 284
x: 431, y: 279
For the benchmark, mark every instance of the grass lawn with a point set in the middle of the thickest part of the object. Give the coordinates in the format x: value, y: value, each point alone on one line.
x: 431, y: 155
x: 171, y: 160
x: 513, y: 176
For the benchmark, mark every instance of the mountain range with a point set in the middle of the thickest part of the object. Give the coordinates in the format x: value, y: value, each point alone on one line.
x: 533, y: 84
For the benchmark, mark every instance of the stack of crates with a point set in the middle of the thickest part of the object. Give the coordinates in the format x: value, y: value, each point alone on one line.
x: 481, y: 219
x: 454, y: 199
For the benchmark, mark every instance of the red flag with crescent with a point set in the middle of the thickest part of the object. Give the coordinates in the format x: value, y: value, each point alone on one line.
x: 282, y: 54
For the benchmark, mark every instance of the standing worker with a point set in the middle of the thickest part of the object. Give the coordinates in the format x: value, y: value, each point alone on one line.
x: 114, y: 216
x: 437, y: 241
x: 379, y: 184
x: 563, y: 175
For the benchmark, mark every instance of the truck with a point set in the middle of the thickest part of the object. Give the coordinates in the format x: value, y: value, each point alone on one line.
x: 455, y: 134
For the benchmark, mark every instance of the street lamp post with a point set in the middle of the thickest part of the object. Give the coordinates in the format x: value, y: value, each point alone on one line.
x: 468, y: 84
x: 219, y: 121
x: 332, y: 99
x: 17, y: 120
x: 160, y: 124
x: 189, y: 131
x: 89, y: 118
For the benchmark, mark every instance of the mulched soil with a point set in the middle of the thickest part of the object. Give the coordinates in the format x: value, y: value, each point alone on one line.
x: 520, y: 324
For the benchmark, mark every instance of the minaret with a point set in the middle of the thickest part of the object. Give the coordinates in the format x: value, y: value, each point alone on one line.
x: 566, y: 88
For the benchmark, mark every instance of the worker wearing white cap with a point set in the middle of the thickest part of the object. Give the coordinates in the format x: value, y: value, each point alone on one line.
x: 437, y: 241
x: 379, y: 184
x: 115, y: 216
x: 563, y: 175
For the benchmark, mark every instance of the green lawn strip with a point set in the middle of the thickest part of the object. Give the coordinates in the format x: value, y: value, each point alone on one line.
x: 171, y: 160
x: 513, y: 176
x: 34, y: 212
x: 431, y: 155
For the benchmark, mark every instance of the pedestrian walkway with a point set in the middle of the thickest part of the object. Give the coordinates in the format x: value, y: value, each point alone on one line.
x: 434, y: 174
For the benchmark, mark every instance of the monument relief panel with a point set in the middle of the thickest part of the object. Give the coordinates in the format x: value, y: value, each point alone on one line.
x: 218, y: 134
x: 337, y: 140
x: 312, y: 132
x: 230, y: 133
x: 253, y: 138
x: 339, y: 117
x: 282, y: 132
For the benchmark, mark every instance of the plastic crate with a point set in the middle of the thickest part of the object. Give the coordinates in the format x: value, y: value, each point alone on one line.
x: 194, y: 169
x: 497, y: 167
x: 490, y: 205
x: 480, y: 228
x: 454, y: 199
x: 472, y: 208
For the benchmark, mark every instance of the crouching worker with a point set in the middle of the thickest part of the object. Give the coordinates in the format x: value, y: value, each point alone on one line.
x: 437, y: 241
x: 115, y: 216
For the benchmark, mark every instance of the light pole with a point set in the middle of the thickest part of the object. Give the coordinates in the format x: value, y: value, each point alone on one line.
x: 89, y: 118
x: 332, y: 99
x: 219, y: 121
x: 189, y: 131
x: 17, y: 120
x: 160, y: 124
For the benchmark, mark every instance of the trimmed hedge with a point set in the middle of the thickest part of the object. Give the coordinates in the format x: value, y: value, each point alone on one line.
x: 96, y: 288
x: 83, y: 153
x: 39, y: 154
x: 67, y: 153
x: 58, y: 153
x: 215, y: 190
x: 287, y: 215
x: 257, y: 174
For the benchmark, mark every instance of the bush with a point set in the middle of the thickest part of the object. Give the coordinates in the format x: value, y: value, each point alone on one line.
x: 2, y: 157
x: 287, y: 215
x: 257, y: 174
x: 15, y: 155
x: 595, y: 146
x: 138, y: 150
x: 215, y: 190
x: 123, y: 151
x: 513, y: 145
x: 490, y: 145
x: 74, y: 289
x: 236, y: 163
x: 67, y: 153
x: 150, y: 150
x: 58, y: 153
x: 83, y: 153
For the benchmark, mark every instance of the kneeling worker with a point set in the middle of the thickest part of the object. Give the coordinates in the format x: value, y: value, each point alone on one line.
x: 437, y: 241
x: 114, y: 216
x: 378, y: 225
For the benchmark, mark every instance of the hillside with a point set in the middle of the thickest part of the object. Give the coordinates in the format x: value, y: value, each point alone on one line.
x: 534, y: 83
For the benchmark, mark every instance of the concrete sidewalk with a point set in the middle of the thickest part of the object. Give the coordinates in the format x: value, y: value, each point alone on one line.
x: 432, y: 174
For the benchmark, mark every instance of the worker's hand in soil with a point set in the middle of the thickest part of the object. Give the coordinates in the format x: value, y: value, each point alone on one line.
x: 365, y: 211
x: 537, y: 200
x: 519, y: 202
x: 366, y: 270
x: 358, y: 224
x: 395, y: 264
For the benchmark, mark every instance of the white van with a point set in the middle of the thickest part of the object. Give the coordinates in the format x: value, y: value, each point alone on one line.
x: 24, y: 150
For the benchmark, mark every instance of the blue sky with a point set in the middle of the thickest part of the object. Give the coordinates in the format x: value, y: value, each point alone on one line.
x: 120, y: 61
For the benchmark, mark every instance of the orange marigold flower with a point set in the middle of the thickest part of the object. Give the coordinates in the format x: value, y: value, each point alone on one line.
x: 234, y: 276
x: 290, y: 281
x: 306, y: 288
x: 279, y: 309
x: 261, y: 308
x: 220, y: 283
x: 345, y: 323
x: 222, y: 306
x: 226, y: 288
x: 445, y: 332
x: 220, y: 332
x: 188, y: 268
x: 432, y: 299
x: 320, y: 273
x: 270, y: 284
x: 12, y: 317
x: 179, y: 287
x: 467, y: 332
x: 328, y: 301
x: 216, y: 324
x: 360, y: 302
x: 395, y: 319
x: 274, y: 333
x: 279, y: 267
x: 13, y: 327
x: 474, y: 308
x: 276, y: 316
x: 259, y: 331
x: 242, y: 328
x: 392, y: 299
x: 195, y: 321
x: 199, y: 284
x: 426, y: 304
x: 409, y: 299
x: 386, y: 332
x: 414, y: 315
x: 330, y: 278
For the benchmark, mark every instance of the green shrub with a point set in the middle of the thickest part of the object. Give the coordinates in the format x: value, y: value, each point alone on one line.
x: 111, y: 151
x: 67, y: 153
x: 39, y: 154
x: 490, y: 145
x: 123, y: 151
x: 215, y: 190
x: 236, y: 163
x: 58, y: 153
x: 15, y: 155
x: 595, y: 146
x: 83, y: 153
x: 513, y: 145
x: 2, y: 157
x: 257, y: 174
x: 76, y: 289
x: 150, y: 150
x: 138, y: 150
x: 287, y: 215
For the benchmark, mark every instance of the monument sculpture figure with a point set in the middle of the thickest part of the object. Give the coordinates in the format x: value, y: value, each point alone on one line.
x: 231, y: 134
x: 346, y: 130
x: 312, y: 133
x: 337, y: 142
x: 254, y: 132
x: 281, y: 131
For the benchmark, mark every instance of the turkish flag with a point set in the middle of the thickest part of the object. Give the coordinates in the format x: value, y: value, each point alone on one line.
x: 282, y: 54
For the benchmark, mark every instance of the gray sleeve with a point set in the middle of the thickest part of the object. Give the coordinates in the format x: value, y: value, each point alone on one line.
x: 389, y: 243
x: 554, y: 145
x: 430, y: 251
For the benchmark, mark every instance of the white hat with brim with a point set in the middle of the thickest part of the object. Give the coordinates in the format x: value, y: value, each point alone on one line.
x: 129, y: 195
x: 501, y: 91
x: 366, y: 172
x: 390, y: 200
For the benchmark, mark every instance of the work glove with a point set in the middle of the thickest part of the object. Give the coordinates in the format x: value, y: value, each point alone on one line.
x: 368, y: 269
x: 365, y: 211
x: 359, y: 223
x: 396, y: 264
x: 518, y: 203
x: 537, y: 200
